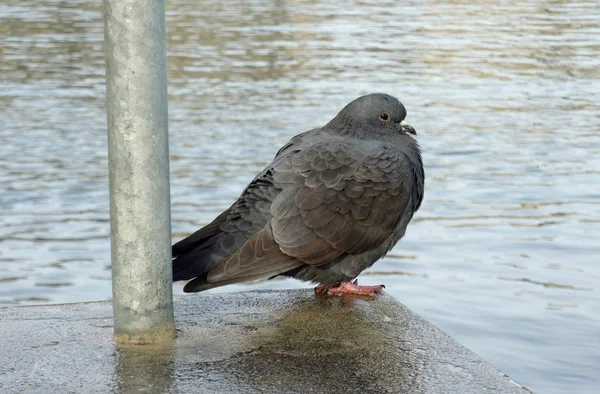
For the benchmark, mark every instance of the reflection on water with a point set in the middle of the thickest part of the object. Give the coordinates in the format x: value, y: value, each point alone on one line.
x: 503, y: 253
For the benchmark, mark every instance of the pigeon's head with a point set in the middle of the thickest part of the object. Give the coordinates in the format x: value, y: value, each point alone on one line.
x: 375, y: 110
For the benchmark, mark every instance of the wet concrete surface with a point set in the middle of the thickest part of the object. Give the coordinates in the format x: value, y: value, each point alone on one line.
x: 264, y: 341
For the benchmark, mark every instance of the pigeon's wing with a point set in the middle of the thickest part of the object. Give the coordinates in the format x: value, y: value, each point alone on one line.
x: 244, y: 248
x: 342, y: 197
x: 197, y: 254
x: 202, y: 250
x: 336, y: 198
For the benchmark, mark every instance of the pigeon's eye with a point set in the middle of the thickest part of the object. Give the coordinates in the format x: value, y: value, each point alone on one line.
x: 384, y: 116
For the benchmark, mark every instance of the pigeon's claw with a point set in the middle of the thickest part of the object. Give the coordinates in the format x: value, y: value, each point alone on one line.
x: 350, y: 288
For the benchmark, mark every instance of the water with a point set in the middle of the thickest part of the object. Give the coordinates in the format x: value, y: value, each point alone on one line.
x: 503, y: 254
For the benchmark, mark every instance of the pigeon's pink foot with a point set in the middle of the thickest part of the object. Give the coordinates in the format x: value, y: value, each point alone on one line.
x: 320, y: 290
x: 351, y: 288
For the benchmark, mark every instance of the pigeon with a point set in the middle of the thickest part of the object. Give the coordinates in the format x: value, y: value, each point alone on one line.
x: 333, y: 201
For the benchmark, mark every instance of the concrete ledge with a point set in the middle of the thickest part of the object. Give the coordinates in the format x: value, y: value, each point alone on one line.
x: 265, y: 341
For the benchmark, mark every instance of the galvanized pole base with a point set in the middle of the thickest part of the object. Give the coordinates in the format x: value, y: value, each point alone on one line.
x: 136, y: 102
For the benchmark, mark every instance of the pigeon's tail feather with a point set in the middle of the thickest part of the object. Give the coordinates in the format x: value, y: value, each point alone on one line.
x: 201, y: 236
x: 194, y: 263
x: 192, y: 256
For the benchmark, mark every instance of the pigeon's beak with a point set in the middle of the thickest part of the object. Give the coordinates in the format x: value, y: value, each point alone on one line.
x: 408, y: 128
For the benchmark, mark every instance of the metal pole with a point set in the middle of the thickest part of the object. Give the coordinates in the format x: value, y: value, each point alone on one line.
x: 138, y: 152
